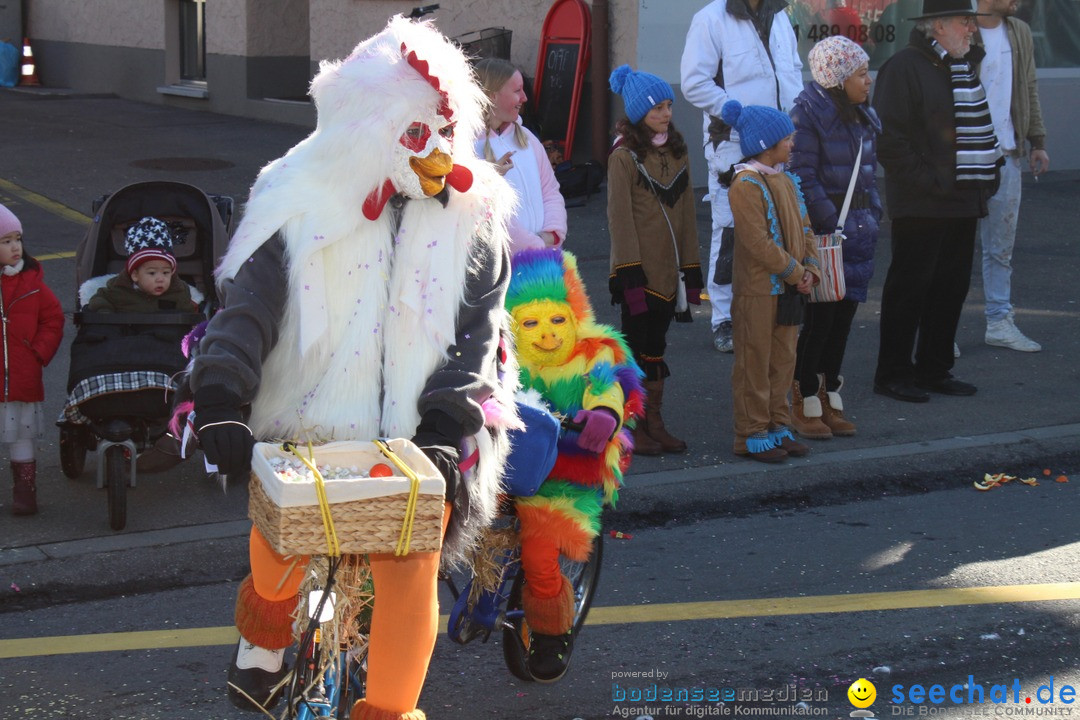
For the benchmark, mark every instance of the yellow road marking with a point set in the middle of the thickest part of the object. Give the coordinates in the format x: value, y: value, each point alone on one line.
x: 854, y: 602
x: 45, y: 203
x: 612, y: 615
x: 56, y: 256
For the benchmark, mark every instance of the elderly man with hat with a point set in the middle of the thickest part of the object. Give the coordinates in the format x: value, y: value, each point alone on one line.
x: 941, y: 160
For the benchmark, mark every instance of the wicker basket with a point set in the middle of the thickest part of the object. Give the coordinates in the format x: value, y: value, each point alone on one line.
x: 368, y: 512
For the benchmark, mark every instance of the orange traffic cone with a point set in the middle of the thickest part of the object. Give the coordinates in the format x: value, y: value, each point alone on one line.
x: 29, y: 68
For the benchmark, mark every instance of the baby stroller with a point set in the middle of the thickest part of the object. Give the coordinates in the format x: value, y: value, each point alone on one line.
x: 123, y: 365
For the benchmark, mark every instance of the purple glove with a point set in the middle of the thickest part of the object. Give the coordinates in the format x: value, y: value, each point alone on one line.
x: 635, y: 300
x: 599, y: 427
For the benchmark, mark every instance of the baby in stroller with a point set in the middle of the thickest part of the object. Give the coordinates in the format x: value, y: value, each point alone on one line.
x: 145, y: 274
x: 149, y: 282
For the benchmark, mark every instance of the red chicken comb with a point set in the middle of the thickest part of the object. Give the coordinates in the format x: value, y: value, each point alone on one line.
x: 422, y: 67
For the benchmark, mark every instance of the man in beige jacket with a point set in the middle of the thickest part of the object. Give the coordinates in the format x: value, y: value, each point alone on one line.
x: 1008, y: 74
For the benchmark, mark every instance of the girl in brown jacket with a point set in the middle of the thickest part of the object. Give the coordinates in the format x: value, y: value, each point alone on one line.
x: 775, y: 265
x: 655, y: 271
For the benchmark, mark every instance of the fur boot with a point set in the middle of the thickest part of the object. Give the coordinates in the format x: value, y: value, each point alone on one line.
x: 550, y: 616
x: 655, y: 428
x: 258, y: 665
x: 552, y: 622
x: 363, y: 711
x: 25, y: 495
x: 833, y: 410
x: 806, y: 414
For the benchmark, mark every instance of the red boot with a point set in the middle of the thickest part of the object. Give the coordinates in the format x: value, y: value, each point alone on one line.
x: 25, y: 474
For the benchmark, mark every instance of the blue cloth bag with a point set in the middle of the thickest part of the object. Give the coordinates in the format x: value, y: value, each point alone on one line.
x: 532, y: 451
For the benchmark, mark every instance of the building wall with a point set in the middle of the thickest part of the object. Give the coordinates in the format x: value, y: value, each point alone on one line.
x: 115, y: 23
x: 337, y: 25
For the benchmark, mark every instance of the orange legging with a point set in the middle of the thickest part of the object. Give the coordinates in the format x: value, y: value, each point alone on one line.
x: 404, y: 623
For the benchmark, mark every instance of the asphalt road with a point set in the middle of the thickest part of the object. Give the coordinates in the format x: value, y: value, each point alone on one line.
x: 814, y: 598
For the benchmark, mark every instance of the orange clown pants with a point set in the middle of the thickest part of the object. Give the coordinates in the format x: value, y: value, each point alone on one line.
x: 404, y: 622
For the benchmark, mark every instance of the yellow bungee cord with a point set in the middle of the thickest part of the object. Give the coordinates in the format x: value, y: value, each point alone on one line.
x: 405, y: 539
x: 333, y: 547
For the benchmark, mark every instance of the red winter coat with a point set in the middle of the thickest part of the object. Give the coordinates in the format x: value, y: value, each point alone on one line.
x: 33, y: 324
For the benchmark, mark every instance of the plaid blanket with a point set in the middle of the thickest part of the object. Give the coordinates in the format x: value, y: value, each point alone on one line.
x: 111, y: 383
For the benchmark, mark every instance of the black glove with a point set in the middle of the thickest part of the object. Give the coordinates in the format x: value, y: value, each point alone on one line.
x: 225, y: 439
x: 439, y: 437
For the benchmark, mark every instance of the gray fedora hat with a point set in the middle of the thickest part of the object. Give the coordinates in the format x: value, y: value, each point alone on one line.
x: 948, y: 8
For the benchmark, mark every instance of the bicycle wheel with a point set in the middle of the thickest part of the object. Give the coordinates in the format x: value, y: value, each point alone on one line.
x: 583, y: 577
x: 116, y: 482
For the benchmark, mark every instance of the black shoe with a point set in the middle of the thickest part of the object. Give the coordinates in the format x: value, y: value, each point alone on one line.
x: 947, y: 386
x: 549, y: 656
x: 901, y: 390
x: 254, y: 682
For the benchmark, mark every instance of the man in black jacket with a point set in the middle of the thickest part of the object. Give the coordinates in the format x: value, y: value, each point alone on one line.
x: 941, y: 162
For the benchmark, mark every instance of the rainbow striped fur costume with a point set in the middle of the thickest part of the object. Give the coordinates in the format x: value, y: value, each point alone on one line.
x: 598, y: 372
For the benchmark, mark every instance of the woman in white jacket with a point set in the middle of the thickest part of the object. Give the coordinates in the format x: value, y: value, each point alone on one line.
x: 540, y: 220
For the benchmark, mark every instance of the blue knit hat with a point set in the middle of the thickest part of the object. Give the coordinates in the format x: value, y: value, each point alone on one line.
x: 640, y: 91
x: 759, y: 127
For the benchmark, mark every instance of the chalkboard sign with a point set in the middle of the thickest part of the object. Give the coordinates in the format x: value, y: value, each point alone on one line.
x: 556, y: 95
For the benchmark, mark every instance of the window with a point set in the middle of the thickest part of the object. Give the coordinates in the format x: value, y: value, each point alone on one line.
x: 193, y: 41
x: 882, y: 26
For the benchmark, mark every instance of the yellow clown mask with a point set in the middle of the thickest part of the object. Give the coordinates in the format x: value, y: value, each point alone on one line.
x: 546, y: 333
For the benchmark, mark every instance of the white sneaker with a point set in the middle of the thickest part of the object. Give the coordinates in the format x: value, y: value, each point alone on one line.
x: 251, y: 656
x: 1004, y: 333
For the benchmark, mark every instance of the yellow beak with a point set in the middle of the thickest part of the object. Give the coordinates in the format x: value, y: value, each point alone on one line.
x: 432, y: 171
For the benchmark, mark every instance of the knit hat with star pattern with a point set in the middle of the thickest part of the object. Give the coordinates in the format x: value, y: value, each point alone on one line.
x: 148, y: 239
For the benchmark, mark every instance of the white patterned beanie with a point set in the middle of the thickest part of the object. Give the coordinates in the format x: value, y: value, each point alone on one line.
x: 835, y: 59
x: 148, y: 239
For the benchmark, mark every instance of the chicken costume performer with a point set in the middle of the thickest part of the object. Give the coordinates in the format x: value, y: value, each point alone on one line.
x: 364, y: 297
x: 584, y: 371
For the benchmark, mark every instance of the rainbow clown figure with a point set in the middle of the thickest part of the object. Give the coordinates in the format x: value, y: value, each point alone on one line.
x: 365, y: 297
x: 584, y: 371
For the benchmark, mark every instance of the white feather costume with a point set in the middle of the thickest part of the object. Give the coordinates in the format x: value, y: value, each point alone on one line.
x: 371, y: 310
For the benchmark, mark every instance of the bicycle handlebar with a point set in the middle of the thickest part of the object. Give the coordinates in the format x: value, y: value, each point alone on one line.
x: 568, y: 424
x: 421, y: 11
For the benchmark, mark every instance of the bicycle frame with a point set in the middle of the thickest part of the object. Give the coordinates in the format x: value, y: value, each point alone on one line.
x: 488, y: 613
x: 322, y: 692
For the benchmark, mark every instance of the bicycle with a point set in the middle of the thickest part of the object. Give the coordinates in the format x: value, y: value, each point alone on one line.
x: 479, y: 612
x: 494, y: 600
x: 328, y: 677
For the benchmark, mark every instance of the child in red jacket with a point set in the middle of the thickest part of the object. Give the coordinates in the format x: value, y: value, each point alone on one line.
x: 33, y: 324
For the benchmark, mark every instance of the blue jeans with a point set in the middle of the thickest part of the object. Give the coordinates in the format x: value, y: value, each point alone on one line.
x: 997, y: 235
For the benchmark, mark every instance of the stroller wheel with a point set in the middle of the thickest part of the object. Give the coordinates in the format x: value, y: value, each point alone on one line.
x: 116, y: 482
x: 72, y: 451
